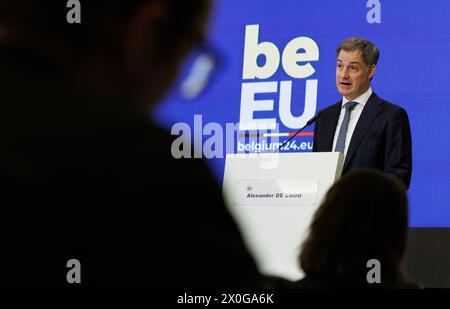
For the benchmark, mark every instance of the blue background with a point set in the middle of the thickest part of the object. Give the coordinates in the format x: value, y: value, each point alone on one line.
x: 414, y: 41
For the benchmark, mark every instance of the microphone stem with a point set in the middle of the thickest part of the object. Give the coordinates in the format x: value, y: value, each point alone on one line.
x: 290, y: 138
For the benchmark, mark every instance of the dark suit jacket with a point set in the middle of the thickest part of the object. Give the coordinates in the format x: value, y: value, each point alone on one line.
x: 381, y: 140
x: 86, y: 176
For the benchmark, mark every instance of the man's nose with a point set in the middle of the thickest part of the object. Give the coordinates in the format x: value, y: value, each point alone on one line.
x: 344, y: 73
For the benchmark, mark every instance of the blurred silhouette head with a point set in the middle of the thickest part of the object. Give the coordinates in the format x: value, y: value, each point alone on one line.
x: 130, y: 48
x: 363, y: 216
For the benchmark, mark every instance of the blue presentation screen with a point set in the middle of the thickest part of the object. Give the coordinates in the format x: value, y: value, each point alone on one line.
x: 276, y: 69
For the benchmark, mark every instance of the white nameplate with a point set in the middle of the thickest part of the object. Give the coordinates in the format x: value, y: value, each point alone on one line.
x: 275, y: 192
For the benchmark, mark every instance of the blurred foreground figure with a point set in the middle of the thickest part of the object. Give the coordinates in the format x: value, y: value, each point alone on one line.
x: 83, y: 173
x: 364, y: 216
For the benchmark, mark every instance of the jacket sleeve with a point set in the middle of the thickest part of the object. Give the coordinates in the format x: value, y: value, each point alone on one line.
x: 316, y: 130
x: 398, y: 155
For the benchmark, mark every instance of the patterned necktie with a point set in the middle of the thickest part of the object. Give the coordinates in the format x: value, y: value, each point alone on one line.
x: 340, y: 144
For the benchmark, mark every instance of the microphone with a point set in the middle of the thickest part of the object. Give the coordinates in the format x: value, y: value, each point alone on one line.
x: 311, y: 121
x: 308, y: 123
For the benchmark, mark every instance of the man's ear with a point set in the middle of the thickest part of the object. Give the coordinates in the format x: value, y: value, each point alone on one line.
x: 372, y: 69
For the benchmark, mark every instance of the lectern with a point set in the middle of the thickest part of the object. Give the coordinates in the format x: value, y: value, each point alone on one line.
x: 273, y: 197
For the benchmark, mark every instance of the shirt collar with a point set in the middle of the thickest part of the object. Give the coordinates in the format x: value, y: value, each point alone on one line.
x: 362, y: 99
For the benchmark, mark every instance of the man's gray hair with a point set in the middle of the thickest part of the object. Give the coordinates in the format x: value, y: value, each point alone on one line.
x: 369, y: 50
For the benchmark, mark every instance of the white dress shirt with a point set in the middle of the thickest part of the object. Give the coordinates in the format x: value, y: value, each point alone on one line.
x: 354, y: 116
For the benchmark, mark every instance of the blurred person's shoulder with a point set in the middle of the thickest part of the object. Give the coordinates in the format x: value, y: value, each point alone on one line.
x: 315, y: 282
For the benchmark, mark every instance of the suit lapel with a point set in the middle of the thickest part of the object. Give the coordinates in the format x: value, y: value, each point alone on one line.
x: 370, y: 112
x: 328, y: 130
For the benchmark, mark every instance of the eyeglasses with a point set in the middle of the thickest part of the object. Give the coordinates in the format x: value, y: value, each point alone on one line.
x: 201, y: 68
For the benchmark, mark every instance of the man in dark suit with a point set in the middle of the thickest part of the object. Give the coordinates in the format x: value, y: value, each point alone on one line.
x: 84, y: 175
x: 368, y: 130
